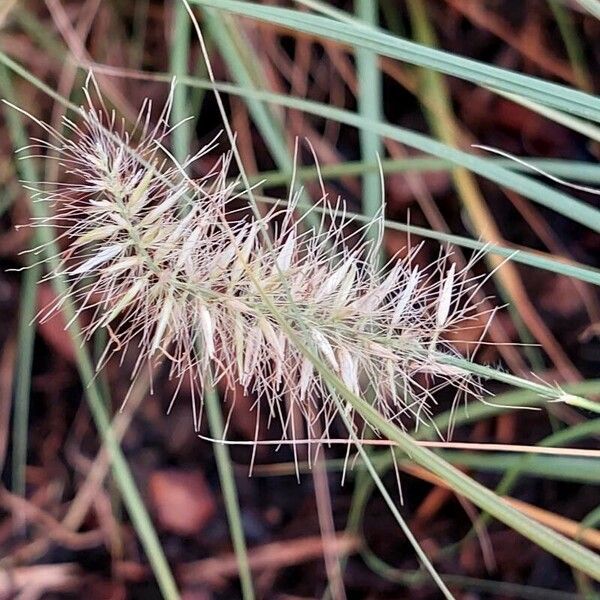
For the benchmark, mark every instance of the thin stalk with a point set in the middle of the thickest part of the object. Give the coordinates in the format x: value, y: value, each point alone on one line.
x: 388, y: 500
x: 140, y: 26
x: 181, y: 145
x: 572, y: 43
x: 419, y: 578
x: 565, y: 169
x: 228, y: 487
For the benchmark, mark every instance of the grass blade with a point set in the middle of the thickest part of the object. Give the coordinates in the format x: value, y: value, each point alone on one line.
x: 370, y: 103
x: 179, y: 56
x: 487, y: 586
x: 566, y: 468
x: 348, y: 32
x: 569, y: 170
x: 503, y: 403
x: 25, y: 340
x: 241, y: 61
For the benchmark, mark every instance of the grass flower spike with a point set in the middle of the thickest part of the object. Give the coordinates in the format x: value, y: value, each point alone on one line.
x: 165, y: 265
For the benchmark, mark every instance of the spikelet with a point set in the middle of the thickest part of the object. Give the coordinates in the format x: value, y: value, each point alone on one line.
x: 162, y: 263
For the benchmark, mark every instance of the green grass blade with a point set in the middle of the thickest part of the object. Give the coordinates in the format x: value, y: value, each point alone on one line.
x: 370, y: 106
x: 241, y: 61
x: 178, y: 58
x: 560, y: 468
x: 503, y: 403
x: 568, y: 170
x: 220, y: 28
x: 492, y: 374
x: 592, y: 519
x: 22, y: 385
x: 573, y: 433
x: 584, y: 403
x: 359, y: 35
x: 391, y: 504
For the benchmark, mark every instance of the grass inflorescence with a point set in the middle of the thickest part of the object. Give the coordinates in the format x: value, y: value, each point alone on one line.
x: 166, y: 266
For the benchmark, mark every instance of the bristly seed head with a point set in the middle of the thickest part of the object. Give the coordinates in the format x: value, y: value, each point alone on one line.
x: 153, y: 257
